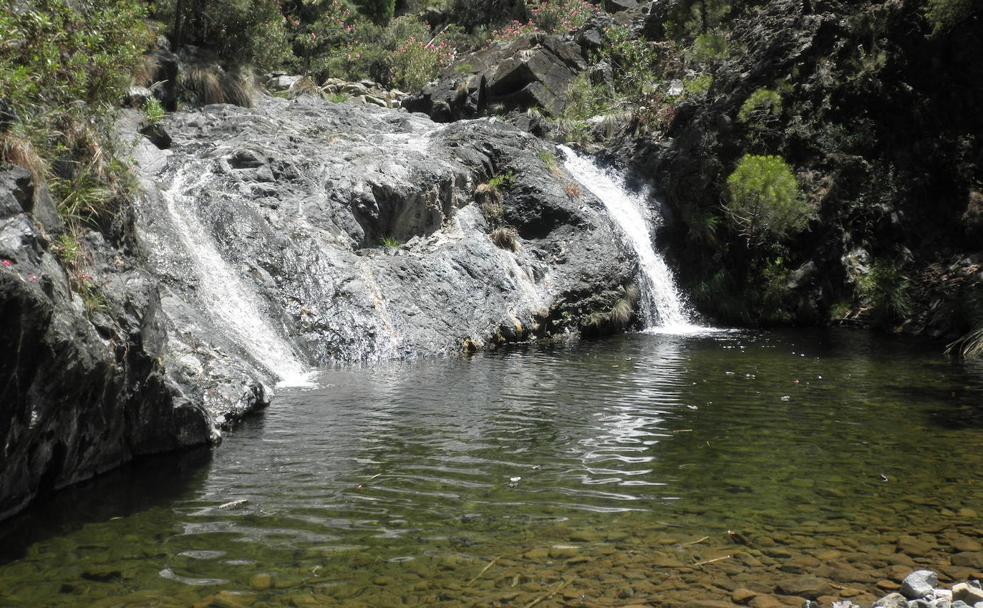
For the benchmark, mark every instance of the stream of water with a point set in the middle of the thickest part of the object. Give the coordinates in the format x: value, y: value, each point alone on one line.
x: 231, y: 303
x: 662, y: 303
x: 638, y: 470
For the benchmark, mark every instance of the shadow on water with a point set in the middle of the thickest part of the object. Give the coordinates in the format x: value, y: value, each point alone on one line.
x: 136, y: 487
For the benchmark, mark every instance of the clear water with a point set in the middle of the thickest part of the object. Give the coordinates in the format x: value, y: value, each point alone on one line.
x: 640, y: 470
x: 663, y: 304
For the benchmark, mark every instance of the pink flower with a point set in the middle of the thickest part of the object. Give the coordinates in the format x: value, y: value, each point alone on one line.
x: 7, y: 263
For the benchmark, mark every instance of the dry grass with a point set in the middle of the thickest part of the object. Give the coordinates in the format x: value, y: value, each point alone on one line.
x: 20, y: 152
x: 145, y: 72
x: 201, y: 85
x: 239, y: 87
x: 572, y: 191
x: 505, y: 238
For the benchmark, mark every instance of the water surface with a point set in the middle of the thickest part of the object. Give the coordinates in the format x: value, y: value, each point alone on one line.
x: 644, y: 469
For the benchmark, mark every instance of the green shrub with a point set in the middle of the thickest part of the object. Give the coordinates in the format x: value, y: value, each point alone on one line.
x: 240, y: 31
x: 698, y: 86
x: 885, y: 290
x: 760, y: 105
x: 764, y: 200
x: 390, y: 243
x: 943, y: 15
x: 153, y: 111
x: 379, y: 11
x: 502, y: 181
x: 633, y: 61
x: 64, y: 67
x: 709, y: 49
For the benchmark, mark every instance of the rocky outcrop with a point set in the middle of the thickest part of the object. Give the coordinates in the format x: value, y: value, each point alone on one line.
x: 533, y: 71
x: 357, y: 233
x: 878, y: 123
x: 82, y: 389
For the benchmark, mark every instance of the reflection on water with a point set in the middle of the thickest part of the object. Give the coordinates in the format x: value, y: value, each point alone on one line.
x: 621, y: 471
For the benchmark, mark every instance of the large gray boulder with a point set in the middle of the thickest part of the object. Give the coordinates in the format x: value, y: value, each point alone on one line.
x: 360, y: 234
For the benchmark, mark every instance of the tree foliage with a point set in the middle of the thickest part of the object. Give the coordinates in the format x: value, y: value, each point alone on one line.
x: 764, y: 200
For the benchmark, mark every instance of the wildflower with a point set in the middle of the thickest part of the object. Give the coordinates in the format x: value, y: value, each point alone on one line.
x: 7, y: 263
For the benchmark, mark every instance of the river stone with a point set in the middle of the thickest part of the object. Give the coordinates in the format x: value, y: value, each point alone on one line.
x: 765, y: 601
x: 919, y: 584
x: 893, y: 600
x: 914, y: 547
x: 967, y: 593
x: 741, y: 595
x: 967, y: 559
x: 805, y: 586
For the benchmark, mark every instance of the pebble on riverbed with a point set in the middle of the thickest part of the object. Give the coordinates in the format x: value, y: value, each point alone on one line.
x: 920, y: 590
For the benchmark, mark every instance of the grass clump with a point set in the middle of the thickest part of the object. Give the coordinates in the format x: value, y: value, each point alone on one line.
x: 764, y: 200
x: 886, y: 292
x: 153, y: 111
x: 64, y: 66
x: 549, y: 160
x: 390, y: 243
x: 505, y: 238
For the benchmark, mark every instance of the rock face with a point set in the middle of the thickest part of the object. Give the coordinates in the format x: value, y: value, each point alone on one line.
x: 300, y: 233
x: 81, y: 385
x: 270, y: 241
x: 530, y: 72
x: 873, y: 141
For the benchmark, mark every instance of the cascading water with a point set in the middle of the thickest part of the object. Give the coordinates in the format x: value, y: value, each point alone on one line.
x: 230, y: 303
x: 662, y: 304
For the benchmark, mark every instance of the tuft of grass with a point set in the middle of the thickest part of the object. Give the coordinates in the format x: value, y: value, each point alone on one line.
x: 502, y: 181
x: 493, y: 210
x: 19, y: 151
x: 390, y: 243
x: 201, y: 85
x: 153, y: 111
x: 572, y: 191
x: 338, y: 98
x: 145, y: 70
x: 886, y: 291
x: 505, y: 238
x: 548, y: 158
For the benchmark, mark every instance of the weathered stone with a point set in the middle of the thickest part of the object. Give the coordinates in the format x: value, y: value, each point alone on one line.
x: 805, y: 586
x: 919, y: 584
x: 967, y: 593
x: 742, y: 595
x: 893, y: 600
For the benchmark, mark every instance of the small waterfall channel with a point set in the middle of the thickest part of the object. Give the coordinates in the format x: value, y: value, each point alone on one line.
x: 662, y: 305
x: 230, y: 303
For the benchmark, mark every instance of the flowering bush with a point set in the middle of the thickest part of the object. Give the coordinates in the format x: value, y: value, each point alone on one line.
x: 551, y: 16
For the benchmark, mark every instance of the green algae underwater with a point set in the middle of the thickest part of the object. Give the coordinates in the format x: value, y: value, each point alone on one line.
x: 640, y: 470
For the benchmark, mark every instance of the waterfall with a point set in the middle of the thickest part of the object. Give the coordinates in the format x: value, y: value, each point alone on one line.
x: 662, y: 305
x: 230, y: 303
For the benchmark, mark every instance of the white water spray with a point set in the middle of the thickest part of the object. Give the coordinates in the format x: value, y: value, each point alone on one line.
x: 231, y: 304
x: 662, y: 304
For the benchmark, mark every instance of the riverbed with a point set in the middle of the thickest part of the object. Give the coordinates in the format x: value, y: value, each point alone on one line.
x: 638, y: 470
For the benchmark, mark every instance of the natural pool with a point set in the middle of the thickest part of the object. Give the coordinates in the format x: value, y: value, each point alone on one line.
x: 639, y: 470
